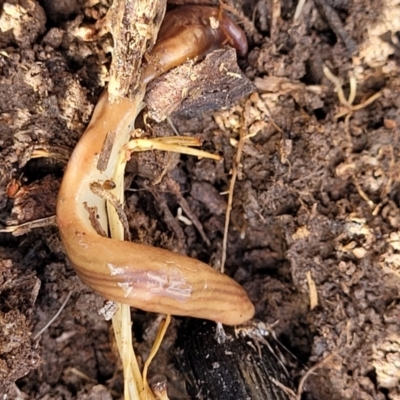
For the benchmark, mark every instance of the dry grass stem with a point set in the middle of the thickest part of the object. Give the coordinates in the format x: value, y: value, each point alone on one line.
x: 157, y: 343
x: 286, y: 389
x: 289, y: 391
x: 49, y: 151
x: 236, y: 163
x: 21, y: 229
x: 232, y: 183
x: 362, y: 194
x: 348, y: 103
x: 299, y: 9
x: 176, y: 144
x: 54, y: 318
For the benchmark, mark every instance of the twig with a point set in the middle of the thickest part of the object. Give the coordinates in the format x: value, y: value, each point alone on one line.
x: 21, y: 229
x: 176, y: 144
x: 334, y: 22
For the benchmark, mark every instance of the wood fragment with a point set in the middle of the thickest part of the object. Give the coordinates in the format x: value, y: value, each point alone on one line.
x: 92, y: 211
x: 131, y: 41
x: 106, y: 151
x: 232, y: 370
x: 188, y: 90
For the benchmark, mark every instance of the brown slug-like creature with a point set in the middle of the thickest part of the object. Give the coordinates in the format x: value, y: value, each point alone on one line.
x: 145, y: 277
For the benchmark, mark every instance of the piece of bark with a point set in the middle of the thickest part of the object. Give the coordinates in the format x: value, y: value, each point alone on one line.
x: 189, y: 90
x: 240, y: 368
x: 133, y: 25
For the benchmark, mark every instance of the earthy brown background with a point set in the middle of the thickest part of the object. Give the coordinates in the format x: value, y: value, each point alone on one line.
x: 314, y: 194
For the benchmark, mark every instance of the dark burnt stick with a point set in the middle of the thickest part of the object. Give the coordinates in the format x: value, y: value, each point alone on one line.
x: 239, y: 369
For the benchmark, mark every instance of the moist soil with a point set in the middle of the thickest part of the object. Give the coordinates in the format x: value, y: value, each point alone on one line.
x: 314, y: 235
